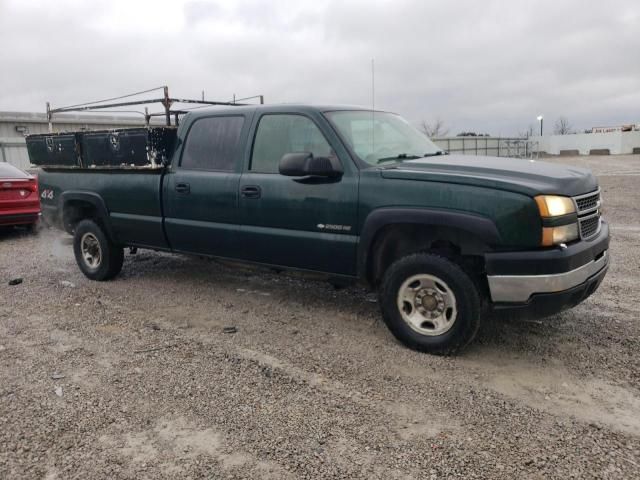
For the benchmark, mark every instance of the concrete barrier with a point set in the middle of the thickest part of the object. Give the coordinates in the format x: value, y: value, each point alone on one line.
x: 569, y: 153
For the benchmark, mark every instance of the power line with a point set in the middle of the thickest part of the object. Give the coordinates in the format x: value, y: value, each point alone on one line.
x: 110, y: 99
x: 119, y: 111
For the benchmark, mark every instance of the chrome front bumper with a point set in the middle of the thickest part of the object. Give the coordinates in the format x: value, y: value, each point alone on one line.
x: 520, y: 288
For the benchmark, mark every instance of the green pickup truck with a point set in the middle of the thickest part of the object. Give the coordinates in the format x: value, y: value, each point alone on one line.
x: 355, y: 194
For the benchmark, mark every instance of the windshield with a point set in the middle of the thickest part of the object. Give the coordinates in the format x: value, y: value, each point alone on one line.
x: 381, y: 137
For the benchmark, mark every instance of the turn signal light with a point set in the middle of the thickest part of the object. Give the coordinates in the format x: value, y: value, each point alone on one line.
x: 557, y: 235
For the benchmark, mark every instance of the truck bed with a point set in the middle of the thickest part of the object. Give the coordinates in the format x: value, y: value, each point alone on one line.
x: 133, y: 222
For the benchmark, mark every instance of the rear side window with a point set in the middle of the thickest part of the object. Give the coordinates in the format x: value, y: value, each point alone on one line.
x: 212, y: 144
x: 280, y: 134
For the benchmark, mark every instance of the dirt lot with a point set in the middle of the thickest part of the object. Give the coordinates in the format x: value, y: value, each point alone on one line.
x: 135, y: 378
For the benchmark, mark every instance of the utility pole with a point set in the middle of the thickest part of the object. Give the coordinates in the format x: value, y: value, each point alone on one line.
x: 167, y: 106
x: 540, y: 119
x: 49, y: 118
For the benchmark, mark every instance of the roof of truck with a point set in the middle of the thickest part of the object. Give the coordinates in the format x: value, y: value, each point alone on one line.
x: 282, y: 107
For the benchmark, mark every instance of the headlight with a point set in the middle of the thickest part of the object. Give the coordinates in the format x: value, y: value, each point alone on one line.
x: 559, y: 219
x: 554, y: 205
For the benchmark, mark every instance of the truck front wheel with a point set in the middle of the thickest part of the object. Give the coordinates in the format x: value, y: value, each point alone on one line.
x: 430, y: 304
x: 97, y: 256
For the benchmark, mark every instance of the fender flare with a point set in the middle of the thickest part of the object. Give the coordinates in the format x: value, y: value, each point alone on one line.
x: 480, y: 227
x: 88, y: 197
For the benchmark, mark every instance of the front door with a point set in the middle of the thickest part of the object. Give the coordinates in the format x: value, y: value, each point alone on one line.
x: 201, y: 191
x: 300, y: 222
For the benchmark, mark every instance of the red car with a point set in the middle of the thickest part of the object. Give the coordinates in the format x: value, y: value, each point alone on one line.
x: 19, y: 198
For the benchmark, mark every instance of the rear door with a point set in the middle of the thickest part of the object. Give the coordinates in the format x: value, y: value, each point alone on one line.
x: 301, y: 222
x: 201, y: 190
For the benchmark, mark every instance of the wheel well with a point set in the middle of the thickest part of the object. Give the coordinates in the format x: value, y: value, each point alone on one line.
x: 396, y: 241
x: 76, y: 210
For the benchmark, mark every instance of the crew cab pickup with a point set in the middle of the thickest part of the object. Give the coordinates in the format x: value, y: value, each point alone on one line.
x: 358, y: 195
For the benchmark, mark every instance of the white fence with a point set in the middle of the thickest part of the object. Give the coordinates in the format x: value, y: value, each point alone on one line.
x: 489, y: 146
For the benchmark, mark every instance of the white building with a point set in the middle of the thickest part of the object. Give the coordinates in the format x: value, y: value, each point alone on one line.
x: 608, y: 143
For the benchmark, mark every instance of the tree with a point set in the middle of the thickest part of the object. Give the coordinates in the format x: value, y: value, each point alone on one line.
x: 472, y: 134
x: 529, y: 132
x: 562, y: 127
x: 434, y: 129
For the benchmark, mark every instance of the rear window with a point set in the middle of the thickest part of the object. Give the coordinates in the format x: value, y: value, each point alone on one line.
x: 212, y: 144
x: 9, y: 171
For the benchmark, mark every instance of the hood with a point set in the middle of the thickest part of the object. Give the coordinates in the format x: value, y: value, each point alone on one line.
x: 530, y: 177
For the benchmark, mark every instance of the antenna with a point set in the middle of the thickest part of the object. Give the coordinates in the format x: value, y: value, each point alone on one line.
x: 373, y: 85
x: 373, y: 104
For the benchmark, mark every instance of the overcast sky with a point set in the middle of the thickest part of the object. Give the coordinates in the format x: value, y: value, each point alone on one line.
x: 486, y: 66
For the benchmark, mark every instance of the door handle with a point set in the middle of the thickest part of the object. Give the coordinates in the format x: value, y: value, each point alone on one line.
x: 184, y: 188
x: 251, y: 191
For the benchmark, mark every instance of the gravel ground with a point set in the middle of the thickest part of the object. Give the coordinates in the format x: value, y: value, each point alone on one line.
x: 136, y: 378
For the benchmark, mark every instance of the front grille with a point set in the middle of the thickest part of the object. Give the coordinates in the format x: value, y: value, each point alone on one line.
x: 588, y: 207
x: 588, y: 202
x: 590, y: 225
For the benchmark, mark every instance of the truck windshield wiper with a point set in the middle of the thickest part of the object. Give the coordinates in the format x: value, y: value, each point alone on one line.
x: 435, y: 154
x: 400, y: 156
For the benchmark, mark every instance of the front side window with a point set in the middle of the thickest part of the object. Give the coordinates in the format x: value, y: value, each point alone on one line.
x: 212, y: 144
x: 380, y: 137
x: 280, y: 134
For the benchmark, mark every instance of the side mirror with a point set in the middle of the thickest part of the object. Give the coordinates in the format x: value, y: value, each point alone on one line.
x: 304, y: 164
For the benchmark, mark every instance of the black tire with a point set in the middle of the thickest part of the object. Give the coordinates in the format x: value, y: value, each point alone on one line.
x: 464, y: 325
x: 111, y: 256
x: 32, y: 228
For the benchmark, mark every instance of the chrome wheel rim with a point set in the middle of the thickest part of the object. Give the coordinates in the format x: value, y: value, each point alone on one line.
x: 427, y: 305
x: 91, y: 251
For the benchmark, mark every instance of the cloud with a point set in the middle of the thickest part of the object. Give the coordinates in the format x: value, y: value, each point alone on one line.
x: 485, y: 66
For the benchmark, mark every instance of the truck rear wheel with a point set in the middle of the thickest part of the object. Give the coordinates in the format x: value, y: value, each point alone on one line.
x: 97, y: 256
x: 430, y: 304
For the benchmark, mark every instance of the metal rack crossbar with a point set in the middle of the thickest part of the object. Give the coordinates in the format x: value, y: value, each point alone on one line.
x: 166, y: 101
